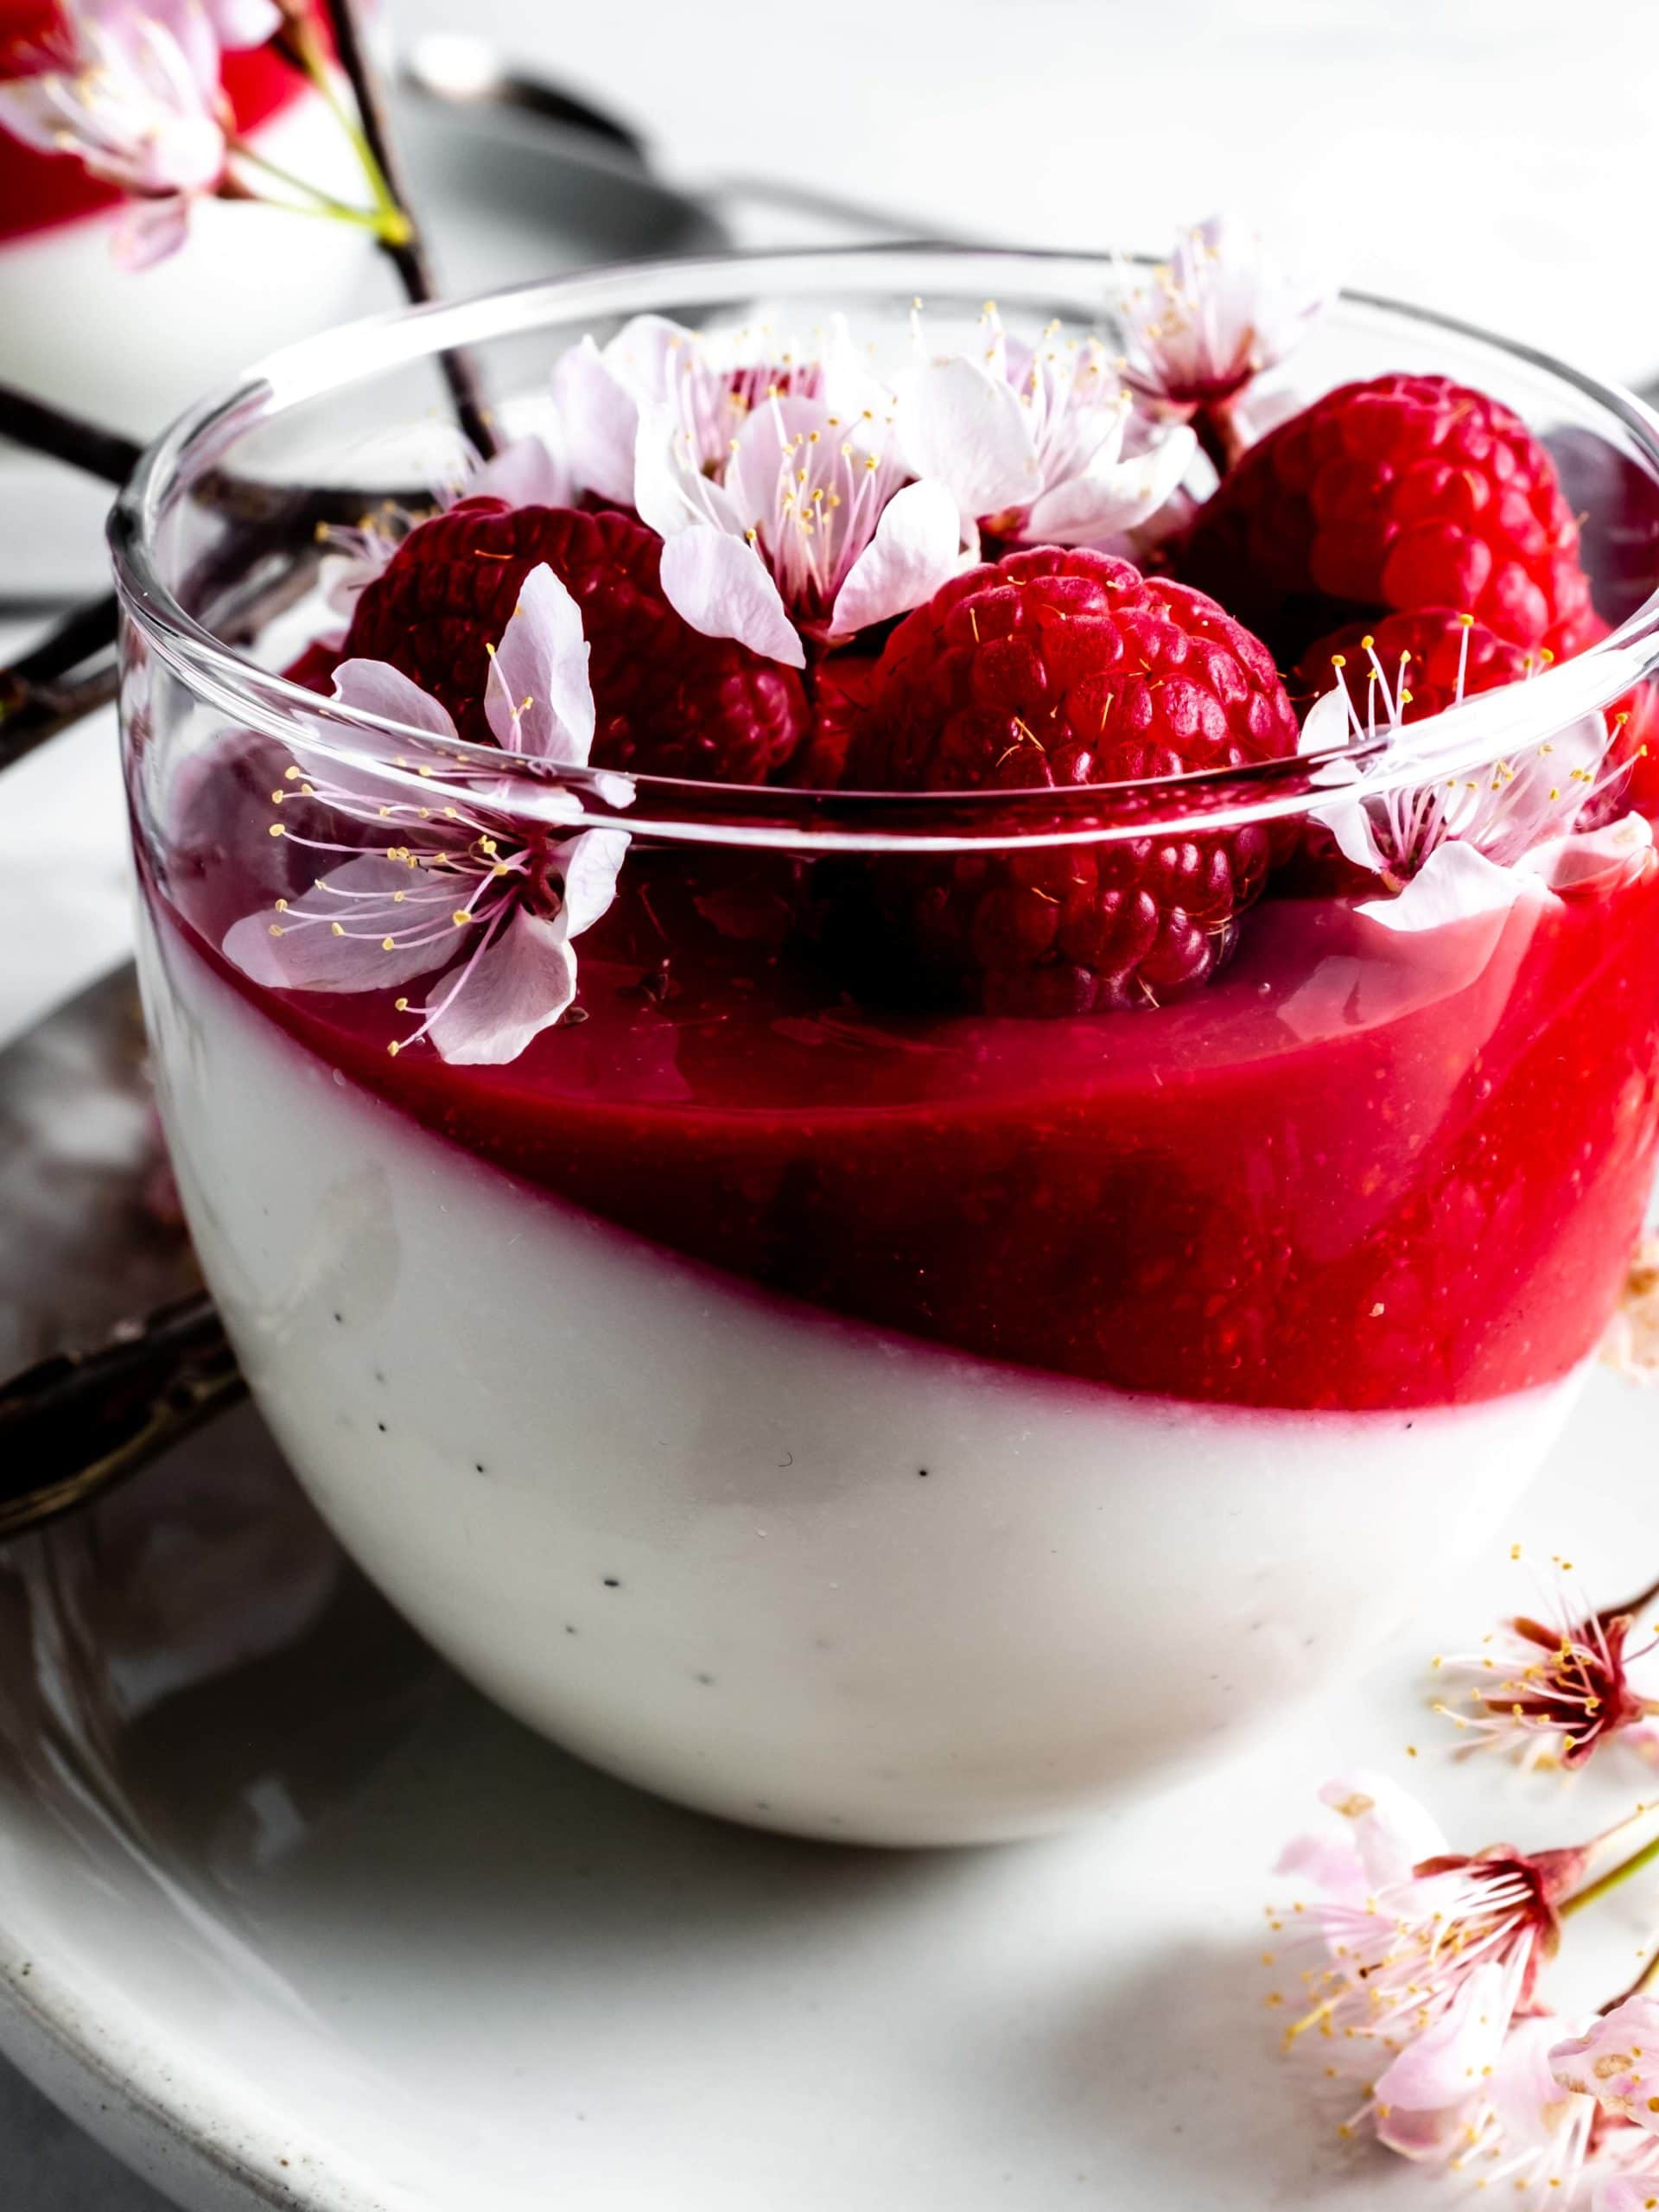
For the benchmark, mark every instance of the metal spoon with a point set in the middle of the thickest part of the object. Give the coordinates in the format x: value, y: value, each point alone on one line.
x: 466, y: 73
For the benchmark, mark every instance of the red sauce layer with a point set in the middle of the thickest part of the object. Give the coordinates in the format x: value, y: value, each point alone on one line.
x: 1360, y: 1171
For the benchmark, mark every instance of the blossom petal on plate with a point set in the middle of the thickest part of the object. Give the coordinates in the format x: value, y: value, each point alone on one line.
x: 1431, y: 2135
x: 1617, y: 2061
x: 333, y: 937
x: 375, y: 687
x: 150, y: 230
x: 602, y: 422
x: 1456, y: 883
x: 966, y: 430
x: 590, y: 863
x: 1392, y: 1833
x: 917, y: 547
x: 517, y: 987
x: 720, y: 585
x: 1332, y: 1864
x: 1532, y: 2107
x: 1113, y: 494
x: 526, y: 474
x: 669, y: 492
x: 1448, y: 2062
x: 1627, y: 2193
x: 538, y: 700
x: 1595, y: 860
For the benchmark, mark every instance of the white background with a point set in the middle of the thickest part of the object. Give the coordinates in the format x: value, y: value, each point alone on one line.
x: 1497, y: 158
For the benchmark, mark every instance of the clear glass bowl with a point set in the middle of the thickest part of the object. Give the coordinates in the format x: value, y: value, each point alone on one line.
x: 885, y: 1423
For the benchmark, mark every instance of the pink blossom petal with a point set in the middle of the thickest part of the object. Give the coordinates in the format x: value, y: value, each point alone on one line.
x: 1595, y: 860
x: 669, y: 492
x: 150, y: 230
x: 720, y: 585
x: 644, y: 353
x: 1627, y: 2193
x: 966, y: 430
x: 526, y: 474
x: 590, y: 864
x: 538, y: 700
x: 333, y: 937
x: 1112, y: 495
x: 517, y: 986
x: 375, y: 687
x: 601, y: 420
x: 1392, y: 1833
x: 917, y: 547
x: 1530, y: 2104
x: 1451, y: 2059
x: 1617, y: 2061
x: 1456, y: 883
x: 1434, y: 2135
x: 1330, y: 1864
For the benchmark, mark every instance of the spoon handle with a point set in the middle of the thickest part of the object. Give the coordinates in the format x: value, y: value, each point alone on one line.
x: 76, y: 1423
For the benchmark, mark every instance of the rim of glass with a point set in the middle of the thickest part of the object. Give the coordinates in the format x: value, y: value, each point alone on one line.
x: 1460, y: 739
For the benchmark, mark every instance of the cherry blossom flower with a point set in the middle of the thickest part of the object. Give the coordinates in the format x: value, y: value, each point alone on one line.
x: 1404, y: 1929
x: 811, y: 527
x: 1617, y: 2061
x: 462, y: 892
x: 1457, y: 846
x: 709, y: 384
x: 131, y: 88
x: 1554, y: 1690
x: 1030, y: 441
x: 1485, y: 2102
x: 1223, y: 309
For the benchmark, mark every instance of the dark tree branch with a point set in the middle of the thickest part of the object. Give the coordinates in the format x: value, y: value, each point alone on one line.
x: 65, y: 437
x: 408, y: 256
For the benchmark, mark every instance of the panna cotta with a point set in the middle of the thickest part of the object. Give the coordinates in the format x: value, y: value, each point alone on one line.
x: 891, y: 1191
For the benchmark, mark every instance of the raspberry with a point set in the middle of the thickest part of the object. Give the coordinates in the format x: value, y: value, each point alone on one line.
x: 1051, y: 669
x: 670, y: 702
x: 1406, y: 492
x: 840, y: 691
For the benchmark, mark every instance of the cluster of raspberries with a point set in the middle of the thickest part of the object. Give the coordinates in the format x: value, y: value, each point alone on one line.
x: 1399, y: 507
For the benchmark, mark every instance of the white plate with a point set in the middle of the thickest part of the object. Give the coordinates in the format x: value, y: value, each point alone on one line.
x: 289, y: 1917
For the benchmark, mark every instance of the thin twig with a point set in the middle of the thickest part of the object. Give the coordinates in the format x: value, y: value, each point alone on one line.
x: 31, y: 422
x: 53, y: 685
x: 408, y: 254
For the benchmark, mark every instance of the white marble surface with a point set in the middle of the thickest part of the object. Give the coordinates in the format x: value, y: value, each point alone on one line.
x: 1492, y: 158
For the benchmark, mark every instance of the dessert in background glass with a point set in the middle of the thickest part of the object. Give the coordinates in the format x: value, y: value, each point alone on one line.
x: 881, y: 1278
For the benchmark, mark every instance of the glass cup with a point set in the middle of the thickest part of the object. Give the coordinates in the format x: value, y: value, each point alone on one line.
x: 843, y: 1412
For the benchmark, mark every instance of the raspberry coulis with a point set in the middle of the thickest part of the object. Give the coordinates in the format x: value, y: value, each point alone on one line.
x: 1358, y: 1171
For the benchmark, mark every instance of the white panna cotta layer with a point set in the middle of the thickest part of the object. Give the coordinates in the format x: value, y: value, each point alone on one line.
x: 782, y: 1566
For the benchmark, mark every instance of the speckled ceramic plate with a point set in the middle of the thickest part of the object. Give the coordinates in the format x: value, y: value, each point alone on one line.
x: 288, y: 1916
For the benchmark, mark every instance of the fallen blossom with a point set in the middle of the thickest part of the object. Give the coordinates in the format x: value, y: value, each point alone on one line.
x: 1404, y: 1925
x: 1553, y: 1689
